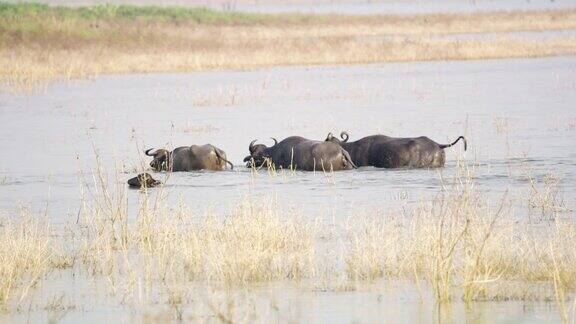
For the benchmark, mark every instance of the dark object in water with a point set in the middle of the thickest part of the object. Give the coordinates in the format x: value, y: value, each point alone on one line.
x: 143, y: 180
x: 188, y: 158
x: 297, y: 152
x: 383, y: 151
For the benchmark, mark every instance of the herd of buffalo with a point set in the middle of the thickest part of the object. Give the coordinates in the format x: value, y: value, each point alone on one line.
x: 299, y: 153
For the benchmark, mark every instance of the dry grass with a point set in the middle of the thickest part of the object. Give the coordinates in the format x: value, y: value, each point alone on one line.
x: 199, y: 129
x: 254, y: 242
x: 26, y: 249
x: 502, y: 125
x: 546, y: 197
x: 46, y: 44
x: 457, y: 245
x: 463, y: 246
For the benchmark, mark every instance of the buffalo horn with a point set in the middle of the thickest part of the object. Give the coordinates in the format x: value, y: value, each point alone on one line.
x: 251, y: 146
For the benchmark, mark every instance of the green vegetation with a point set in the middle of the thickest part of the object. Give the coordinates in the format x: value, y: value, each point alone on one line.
x: 36, y: 11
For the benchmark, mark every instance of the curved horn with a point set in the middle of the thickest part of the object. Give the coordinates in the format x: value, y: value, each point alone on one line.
x: 147, y: 152
x: 275, y: 140
x: 251, y: 146
x: 344, y: 136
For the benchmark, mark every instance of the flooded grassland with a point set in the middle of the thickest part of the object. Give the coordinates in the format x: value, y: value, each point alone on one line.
x: 489, y: 237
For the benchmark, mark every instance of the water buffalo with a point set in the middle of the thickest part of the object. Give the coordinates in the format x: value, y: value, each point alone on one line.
x: 296, y: 152
x: 143, y: 180
x: 390, y: 152
x: 188, y: 158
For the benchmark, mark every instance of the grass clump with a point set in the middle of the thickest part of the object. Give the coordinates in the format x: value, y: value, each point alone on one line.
x: 253, y: 242
x: 26, y: 251
x: 546, y: 197
x: 463, y: 246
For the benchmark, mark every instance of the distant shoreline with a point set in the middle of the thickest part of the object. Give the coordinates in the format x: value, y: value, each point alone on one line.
x: 345, y: 7
x: 41, y: 43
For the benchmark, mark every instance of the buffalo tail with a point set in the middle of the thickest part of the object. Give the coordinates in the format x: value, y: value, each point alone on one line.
x: 223, y: 159
x: 443, y: 146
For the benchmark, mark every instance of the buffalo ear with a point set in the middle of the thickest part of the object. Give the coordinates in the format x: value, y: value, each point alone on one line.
x: 329, y: 137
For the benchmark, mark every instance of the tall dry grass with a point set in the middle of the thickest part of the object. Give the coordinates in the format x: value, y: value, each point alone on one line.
x: 254, y: 242
x: 458, y: 245
x: 41, y: 44
x: 461, y: 245
x: 26, y: 253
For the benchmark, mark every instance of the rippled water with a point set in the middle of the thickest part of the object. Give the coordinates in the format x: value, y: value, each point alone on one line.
x: 513, y: 112
x: 516, y: 114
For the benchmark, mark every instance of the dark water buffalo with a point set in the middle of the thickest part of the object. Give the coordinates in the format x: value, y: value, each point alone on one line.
x: 143, y: 180
x: 188, y: 158
x: 390, y: 152
x: 296, y: 152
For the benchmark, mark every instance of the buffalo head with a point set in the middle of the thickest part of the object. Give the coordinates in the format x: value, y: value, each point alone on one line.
x: 143, y: 180
x: 331, y: 138
x: 161, y: 159
x: 258, y: 154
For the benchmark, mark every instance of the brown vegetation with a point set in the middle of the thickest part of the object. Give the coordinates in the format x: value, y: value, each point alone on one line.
x: 462, y: 245
x: 49, y: 44
x: 26, y: 252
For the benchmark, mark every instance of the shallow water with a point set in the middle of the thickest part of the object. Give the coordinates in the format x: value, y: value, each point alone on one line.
x: 516, y: 114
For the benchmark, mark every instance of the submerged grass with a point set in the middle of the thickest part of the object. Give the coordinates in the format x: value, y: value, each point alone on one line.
x: 39, y: 43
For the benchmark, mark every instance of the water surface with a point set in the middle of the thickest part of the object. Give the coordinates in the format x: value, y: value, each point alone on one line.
x: 514, y: 113
x: 518, y: 116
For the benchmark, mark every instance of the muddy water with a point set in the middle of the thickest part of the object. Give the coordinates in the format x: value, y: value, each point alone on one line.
x: 518, y: 115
